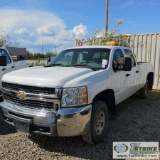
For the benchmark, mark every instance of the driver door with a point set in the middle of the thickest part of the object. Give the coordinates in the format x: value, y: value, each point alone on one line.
x: 118, y: 77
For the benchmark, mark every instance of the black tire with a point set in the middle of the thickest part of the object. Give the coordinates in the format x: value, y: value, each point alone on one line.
x: 144, y: 91
x: 94, y: 136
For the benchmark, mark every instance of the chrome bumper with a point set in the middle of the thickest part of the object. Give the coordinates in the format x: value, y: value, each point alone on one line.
x: 69, y: 121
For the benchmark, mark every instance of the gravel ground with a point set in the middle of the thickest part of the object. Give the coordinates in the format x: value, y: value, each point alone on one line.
x: 137, y: 120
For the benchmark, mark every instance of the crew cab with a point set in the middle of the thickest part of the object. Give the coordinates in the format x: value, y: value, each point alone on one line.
x: 75, y: 93
x: 7, y: 64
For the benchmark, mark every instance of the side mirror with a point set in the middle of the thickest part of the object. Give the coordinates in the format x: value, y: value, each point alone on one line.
x: 3, y: 61
x: 48, y: 60
x: 127, y: 64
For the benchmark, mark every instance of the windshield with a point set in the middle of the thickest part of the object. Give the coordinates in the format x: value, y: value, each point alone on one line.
x: 90, y: 58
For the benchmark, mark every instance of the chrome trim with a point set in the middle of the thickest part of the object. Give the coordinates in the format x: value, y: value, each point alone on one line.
x: 56, y: 102
x: 7, y: 91
x: 39, y: 99
x: 58, y: 90
x: 56, y: 87
x: 33, y: 97
x: 74, y: 121
x: 70, y: 121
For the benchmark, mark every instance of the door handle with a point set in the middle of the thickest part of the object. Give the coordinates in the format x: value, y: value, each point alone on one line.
x: 3, y: 69
x: 137, y: 71
x: 127, y: 75
x: 12, y: 66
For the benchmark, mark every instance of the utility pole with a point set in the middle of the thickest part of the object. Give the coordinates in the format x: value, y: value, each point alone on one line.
x: 106, y: 27
x: 56, y: 50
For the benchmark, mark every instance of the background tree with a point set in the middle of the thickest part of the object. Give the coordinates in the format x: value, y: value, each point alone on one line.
x: 4, y: 40
x: 39, y: 56
x: 100, y: 38
x: 50, y: 54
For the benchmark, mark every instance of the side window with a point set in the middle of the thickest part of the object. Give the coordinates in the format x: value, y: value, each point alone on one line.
x: 129, y: 53
x: 4, y: 53
x: 118, y: 59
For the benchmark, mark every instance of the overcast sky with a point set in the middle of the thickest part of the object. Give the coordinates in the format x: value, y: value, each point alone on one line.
x: 56, y: 23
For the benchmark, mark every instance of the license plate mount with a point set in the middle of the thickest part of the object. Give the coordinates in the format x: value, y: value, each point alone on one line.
x: 22, y: 126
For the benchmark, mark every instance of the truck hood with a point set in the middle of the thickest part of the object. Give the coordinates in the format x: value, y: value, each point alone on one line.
x: 45, y: 76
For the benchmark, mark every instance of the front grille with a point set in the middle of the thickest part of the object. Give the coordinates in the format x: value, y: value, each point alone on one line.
x: 28, y: 89
x: 32, y: 104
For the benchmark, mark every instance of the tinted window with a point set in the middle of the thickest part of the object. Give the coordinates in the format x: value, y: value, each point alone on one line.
x: 118, y: 59
x: 4, y: 53
x: 129, y: 53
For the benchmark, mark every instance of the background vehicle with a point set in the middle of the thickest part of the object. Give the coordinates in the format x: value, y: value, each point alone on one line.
x: 75, y: 93
x: 9, y: 65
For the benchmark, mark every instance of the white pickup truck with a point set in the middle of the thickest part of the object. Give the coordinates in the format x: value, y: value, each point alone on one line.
x: 7, y: 65
x: 75, y: 93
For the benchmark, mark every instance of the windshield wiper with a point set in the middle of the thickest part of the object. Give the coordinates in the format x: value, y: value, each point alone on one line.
x: 88, y: 66
x: 52, y: 65
x: 83, y: 65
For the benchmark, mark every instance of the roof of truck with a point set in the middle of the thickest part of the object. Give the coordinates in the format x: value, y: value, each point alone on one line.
x: 109, y: 47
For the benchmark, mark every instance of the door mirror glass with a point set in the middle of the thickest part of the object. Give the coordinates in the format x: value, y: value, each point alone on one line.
x: 3, y: 61
x: 127, y: 64
x: 117, y: 66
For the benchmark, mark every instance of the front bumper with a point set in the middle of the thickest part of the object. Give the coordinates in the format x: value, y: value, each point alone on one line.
x: 69, y: 121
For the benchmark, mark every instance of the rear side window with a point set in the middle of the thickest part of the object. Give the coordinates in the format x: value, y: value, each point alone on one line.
x: 4, y: 53
x: 129, y: 53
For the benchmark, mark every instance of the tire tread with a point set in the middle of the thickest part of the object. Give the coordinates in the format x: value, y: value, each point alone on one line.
x: 88, y: 136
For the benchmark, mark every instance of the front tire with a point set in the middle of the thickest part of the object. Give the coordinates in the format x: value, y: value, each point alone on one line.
x: 144, y: 91
x: 98, y: 123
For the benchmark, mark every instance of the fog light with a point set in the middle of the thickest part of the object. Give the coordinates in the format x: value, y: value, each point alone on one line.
x: 51, y: 118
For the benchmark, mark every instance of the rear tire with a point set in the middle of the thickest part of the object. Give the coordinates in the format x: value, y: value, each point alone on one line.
x: 98, y: 123
x: 144, y: 91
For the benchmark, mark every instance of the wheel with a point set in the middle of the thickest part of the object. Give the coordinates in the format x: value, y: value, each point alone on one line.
x: 144, y: 91
x: 98, y: 123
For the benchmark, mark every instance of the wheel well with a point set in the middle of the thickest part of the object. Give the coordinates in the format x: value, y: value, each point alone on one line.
x: 150, y: 79
x: 108, y: 97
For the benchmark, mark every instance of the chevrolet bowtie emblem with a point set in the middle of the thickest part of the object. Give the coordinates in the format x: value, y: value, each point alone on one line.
x: 21, y: 95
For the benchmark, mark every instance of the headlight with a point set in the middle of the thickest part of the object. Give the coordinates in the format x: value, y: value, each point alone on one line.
x: 74, y: 96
